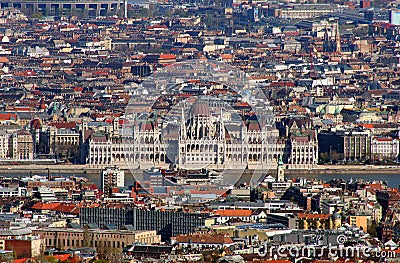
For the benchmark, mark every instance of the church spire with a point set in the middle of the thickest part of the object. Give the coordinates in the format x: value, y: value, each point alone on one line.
x: 222, y: 126
x: 183, y: 125
x: 337, y: 35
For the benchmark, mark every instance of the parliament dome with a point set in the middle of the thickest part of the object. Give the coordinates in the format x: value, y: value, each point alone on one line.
x: 200, y: 108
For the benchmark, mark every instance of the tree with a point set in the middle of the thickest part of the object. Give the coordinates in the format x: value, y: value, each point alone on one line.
x: 37, y: 15
x: 371, y: 229
x: 86, y: 237
x: 324, y: 158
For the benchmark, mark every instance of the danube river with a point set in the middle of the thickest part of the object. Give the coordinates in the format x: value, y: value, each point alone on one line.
x: 393, y: 180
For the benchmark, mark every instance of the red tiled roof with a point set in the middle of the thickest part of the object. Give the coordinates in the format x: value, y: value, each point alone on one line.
x: 4, y: 60
x: 8, y: 116
x: 66, y: 258
x: 313, y: 216
x: 45, y: 206
x: 167, y: 56
x: 24, y: 260
x: 383, y: 139
x: 226, y: 56
x: 234, y: 212
x: 65, y: 125
x: 67, y: 209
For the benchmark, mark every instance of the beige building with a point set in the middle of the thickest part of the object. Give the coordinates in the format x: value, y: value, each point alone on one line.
x: 22, y: 242
x: 114, y: 240
x: 304, y: 151
x: 24, y: 146
x: 305, y: 11
x: 17, y: 145
x: 360, y: 220
x: 4, y: 141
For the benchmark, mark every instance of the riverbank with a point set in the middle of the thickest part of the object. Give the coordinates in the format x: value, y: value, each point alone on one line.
x: 85, y: 169
x: 346, y: 169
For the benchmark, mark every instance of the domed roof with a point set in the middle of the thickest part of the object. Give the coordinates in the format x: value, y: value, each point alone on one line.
x: 336, y: 216
x: 200, y: 108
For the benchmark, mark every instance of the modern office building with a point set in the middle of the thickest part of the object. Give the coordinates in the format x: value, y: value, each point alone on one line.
x: 167, y: 224
x: 357, y: 145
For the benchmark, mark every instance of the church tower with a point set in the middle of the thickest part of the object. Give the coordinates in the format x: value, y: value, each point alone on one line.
x: 280, y: 170
x: 338, y: 45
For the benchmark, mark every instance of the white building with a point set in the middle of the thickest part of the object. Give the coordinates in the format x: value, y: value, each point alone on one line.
x: 384, y: 148
x: 7, y: 192
x: 203, y: 140
x: 304, y: 151
x: 4, y: 142
x: 16, y: 145
x: 112, y: 177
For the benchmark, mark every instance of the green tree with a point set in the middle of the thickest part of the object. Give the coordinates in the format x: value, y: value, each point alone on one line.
x: 37, y: 15
x: 324, y: 158
x: 372, y: 229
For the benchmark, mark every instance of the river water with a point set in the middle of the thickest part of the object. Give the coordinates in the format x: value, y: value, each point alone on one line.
x: 393, y: 180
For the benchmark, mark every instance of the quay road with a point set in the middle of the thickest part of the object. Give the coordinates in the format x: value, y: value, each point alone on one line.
x: 81, y: 170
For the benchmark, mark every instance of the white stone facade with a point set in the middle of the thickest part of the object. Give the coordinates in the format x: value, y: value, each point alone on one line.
x: 202, y: 141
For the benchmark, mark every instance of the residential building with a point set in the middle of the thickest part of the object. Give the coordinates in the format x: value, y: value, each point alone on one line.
x: 360, y: 220
x: 22, y: 242
x: 318, y: 221
x: 112, y: 177
x: 384, y: 148
x: 111, y: 240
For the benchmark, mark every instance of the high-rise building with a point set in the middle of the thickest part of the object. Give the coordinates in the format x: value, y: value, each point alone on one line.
x: 357, y: 145
x: 112, y: 177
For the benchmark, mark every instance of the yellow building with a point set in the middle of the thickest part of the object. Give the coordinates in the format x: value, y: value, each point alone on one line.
x: 317, y: 221
x: 69, y: 238
x: 361, y: 221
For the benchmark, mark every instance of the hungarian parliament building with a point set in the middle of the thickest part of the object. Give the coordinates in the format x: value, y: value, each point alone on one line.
x: 203, y: 140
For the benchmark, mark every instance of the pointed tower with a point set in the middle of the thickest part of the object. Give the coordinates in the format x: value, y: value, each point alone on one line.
x: 280, y: 170
x: 55, y: 117
x: 337, y: 35
x: 327, y: 43
x: 83, y: 128
x: 222, y: 126
x: 183, y: 125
